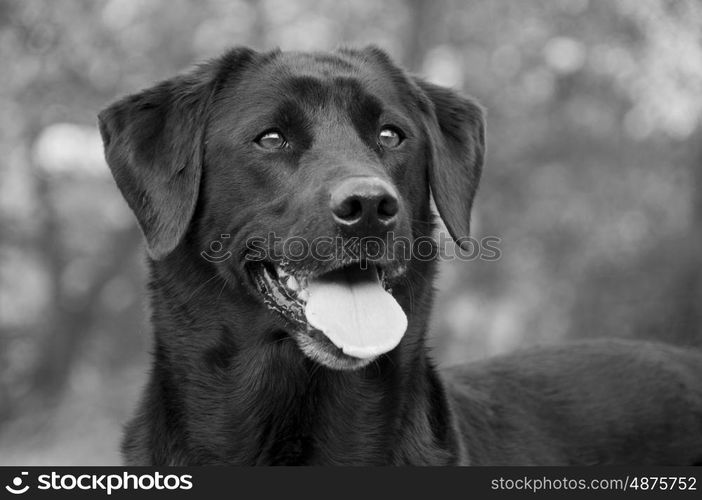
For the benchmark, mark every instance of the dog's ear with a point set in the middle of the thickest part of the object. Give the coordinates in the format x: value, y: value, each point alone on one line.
x: 154, y: 143
x: 456, y: 129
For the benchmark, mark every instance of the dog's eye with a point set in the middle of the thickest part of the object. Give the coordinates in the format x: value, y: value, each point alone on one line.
x: 271, y: 139
x: 390, y: 137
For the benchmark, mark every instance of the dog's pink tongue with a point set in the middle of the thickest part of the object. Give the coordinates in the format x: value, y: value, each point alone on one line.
x: 354, y: 311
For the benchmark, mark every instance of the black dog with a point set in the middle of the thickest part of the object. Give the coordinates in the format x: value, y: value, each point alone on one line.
x: 265, y: 357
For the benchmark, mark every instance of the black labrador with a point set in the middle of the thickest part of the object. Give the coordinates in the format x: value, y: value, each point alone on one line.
x: 282, y: 336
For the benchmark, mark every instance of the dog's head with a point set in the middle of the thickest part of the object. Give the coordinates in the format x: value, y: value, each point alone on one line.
x: 304, y: 178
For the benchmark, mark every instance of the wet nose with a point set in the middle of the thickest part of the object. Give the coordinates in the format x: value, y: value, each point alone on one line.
x: 364, y: 205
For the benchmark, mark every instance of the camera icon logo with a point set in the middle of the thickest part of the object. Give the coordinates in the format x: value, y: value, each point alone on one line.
x: 217, y: 252
x: 16, y: 487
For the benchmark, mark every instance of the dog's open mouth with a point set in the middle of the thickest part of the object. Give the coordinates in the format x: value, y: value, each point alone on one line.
x: 350, y: 307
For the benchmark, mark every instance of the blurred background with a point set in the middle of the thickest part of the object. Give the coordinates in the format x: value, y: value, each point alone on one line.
x: 593, y: 181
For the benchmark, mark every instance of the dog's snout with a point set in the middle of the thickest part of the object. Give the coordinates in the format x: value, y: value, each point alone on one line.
x: 364, y: 204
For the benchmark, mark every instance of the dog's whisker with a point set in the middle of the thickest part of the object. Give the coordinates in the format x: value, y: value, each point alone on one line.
x: 408, y: 283
x: 281, y: 340
x: 414, y: 272
x: 378, y: 368
x: 315, y: 369
x: 199, y: 287
x: 219, y: 295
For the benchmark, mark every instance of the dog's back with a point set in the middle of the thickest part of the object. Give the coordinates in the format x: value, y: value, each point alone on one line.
x: 593, y: 402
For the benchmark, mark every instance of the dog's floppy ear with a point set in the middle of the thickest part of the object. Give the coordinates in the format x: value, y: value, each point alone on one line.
x: 154, y: 143
x: 456, y: 130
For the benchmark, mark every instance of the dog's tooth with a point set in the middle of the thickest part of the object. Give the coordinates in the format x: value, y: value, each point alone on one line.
x: 292, y: 284
x: 281, y: 272
x: 304, y: 295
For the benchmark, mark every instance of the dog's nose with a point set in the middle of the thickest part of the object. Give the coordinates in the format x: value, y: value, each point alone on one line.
x: 364, y: 205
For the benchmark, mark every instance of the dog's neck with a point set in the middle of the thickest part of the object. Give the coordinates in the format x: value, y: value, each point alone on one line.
x: 232, y: 388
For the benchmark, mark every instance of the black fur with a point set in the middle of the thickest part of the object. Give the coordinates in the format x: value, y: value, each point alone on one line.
x: 228, y: 383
